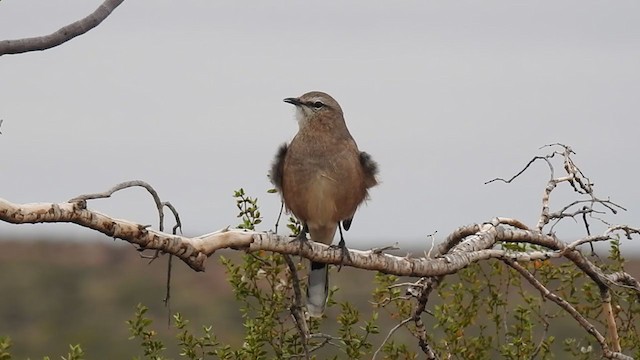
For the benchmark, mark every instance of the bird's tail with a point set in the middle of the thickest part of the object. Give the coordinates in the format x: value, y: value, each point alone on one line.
x: 317, y: 289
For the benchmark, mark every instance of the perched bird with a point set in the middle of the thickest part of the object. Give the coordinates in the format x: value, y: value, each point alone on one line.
x: 322, y: 178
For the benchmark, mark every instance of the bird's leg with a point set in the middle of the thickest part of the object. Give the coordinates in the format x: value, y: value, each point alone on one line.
x: 343, y: 247
x: 302, y: 238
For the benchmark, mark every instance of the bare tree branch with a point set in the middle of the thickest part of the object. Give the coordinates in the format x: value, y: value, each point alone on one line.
x: 297, y: 308
x: 61, y: 36
x: 393, y: 330
x: 588, y: 327
x: 429, y: 284
x: 194, y: 251
x: 583, y: 186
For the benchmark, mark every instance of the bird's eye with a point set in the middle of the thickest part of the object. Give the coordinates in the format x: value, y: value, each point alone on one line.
x: 318, y: 104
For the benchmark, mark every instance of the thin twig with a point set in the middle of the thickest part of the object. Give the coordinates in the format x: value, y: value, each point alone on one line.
x: 393, y: 330
x: 297, y: 307
x: 429, y: 285
x: 545, y: 158
x: 380, y: 250
x: 167, y: 297
x: 279, y: 216
x: 122, y: 186
x: 174, y: 230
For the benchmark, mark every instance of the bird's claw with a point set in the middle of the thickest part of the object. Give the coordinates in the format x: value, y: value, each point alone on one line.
x: 302, y: 238
x: 344, y: 252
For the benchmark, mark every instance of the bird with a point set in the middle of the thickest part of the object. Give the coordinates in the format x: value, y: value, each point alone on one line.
x: 322, y: 178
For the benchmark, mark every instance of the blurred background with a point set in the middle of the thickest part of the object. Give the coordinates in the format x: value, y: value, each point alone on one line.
x: 188, y: 97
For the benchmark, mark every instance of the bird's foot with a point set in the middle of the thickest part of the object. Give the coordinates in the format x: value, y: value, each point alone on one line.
x: 344, y: 252
x: 302, y: 239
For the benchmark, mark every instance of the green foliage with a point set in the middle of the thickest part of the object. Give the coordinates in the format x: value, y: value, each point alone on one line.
x: 389, y: 297
x: 192, y: 346
x: 5, y: 346
x: 75, y: 351
x: 249, y: 213
x: 457, y: 316
x: 139, y: 328
x: 355, y: 340
x: 196, y: 348
x: 263, y: 291
x: 294, y: 225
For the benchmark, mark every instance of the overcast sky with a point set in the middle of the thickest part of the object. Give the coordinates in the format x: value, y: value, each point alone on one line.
x: 187, y: 95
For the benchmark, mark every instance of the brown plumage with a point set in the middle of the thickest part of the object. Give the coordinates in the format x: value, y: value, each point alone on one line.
x: 323, y: 178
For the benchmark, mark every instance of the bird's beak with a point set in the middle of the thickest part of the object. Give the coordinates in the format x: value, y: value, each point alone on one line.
x: 294, y: 101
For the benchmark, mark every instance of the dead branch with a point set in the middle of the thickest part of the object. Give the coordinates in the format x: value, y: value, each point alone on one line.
x: 297, y: 308
x: 429, y: 285
x: 582, y: 186
x: 625, y: 280
x: 61, y: 36
x: 588, y: 327
x: 393, y: 330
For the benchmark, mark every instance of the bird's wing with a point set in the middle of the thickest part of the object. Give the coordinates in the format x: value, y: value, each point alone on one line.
x: 369, y: 168
x: 346, y: 224
x: 277, y: 167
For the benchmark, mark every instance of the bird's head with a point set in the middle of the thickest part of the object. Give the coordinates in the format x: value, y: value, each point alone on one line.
x: 316, y: 106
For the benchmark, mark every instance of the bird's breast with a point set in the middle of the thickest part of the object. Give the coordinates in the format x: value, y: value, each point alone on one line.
x: 324, y: 189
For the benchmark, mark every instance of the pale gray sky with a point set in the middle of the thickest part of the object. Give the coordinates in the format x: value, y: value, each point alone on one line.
x: 187, y: 95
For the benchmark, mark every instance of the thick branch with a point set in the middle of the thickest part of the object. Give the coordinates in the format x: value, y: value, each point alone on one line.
x: 62, y: 35
x: 189, y: 250
x: 470, y: 247
x: 194, y: 251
